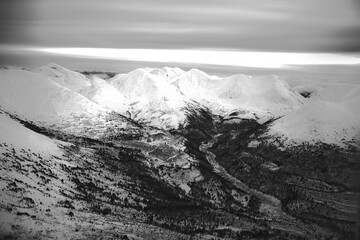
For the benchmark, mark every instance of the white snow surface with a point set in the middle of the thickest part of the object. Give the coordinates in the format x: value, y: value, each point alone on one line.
x: 151, y: 96
x: 104, y: 94
x: 65, y: 77
x: 19, y: 137
x: 266, y: 96
x: 160, y: 95
x: 94, y: 88
x: 331, y: 115
x: 38, y: 98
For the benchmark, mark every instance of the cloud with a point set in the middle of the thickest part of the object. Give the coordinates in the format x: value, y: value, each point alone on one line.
x: 269, y: 25
x: 346, y: 40
x: 14, y: 16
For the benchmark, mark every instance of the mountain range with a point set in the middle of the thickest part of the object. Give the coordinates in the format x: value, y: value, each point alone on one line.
x: 163, y: 153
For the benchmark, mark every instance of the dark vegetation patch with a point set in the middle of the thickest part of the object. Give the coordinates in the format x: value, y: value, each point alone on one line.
x: 307, y: 178
x: 109, y: 135
x: 101, y: 74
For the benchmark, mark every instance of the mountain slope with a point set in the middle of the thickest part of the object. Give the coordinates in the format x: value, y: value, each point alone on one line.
x: 33, y: 97
x: 19, y: 137
x: 102, y: 93
x: 152, y: 98
x: 65, y: 77
x: 266, y: 96
x: 93, y: 88
x: 40, y: 99
x: 330, y: 115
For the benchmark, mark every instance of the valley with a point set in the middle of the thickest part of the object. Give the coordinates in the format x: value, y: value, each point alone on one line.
x: 169, y: 154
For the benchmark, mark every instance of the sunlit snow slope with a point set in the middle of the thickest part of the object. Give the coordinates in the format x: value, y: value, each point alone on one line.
x: 331, y: 115
x: 266, y: 96
x: 38, y: 98
x: 19, y: 137
x: 93, y: 88
x: 153, y: 99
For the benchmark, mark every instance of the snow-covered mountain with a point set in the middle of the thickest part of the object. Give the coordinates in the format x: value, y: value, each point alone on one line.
x: 162, y: 153
x: 266, y: 96
x: 330, y: 115
x: 152, y: 98
x: 93, y: 88
x: 39, y: 98
x: 161, y: 97
x: 155, y: 92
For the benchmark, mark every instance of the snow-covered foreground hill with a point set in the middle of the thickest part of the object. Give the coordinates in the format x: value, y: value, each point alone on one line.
x: 56, y: 104
x: 172, y: 154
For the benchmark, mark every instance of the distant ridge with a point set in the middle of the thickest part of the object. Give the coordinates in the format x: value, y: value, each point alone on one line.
x: 160, y: 97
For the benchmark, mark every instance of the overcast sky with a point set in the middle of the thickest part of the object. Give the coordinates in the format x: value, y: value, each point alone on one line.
x: 230, y: 25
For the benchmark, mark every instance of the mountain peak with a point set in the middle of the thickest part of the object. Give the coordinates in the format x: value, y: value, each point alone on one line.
x: 65, y: 77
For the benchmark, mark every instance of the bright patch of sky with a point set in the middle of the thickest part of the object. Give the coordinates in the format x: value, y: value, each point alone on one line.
x: 212, y: 57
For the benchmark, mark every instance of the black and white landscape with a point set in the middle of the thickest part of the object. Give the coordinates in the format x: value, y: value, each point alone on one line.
x: 163, y: 153
x: 167, y: 120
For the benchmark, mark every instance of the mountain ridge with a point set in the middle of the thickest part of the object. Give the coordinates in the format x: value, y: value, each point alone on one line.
x: 159, y: 97
x: 193, y: 159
